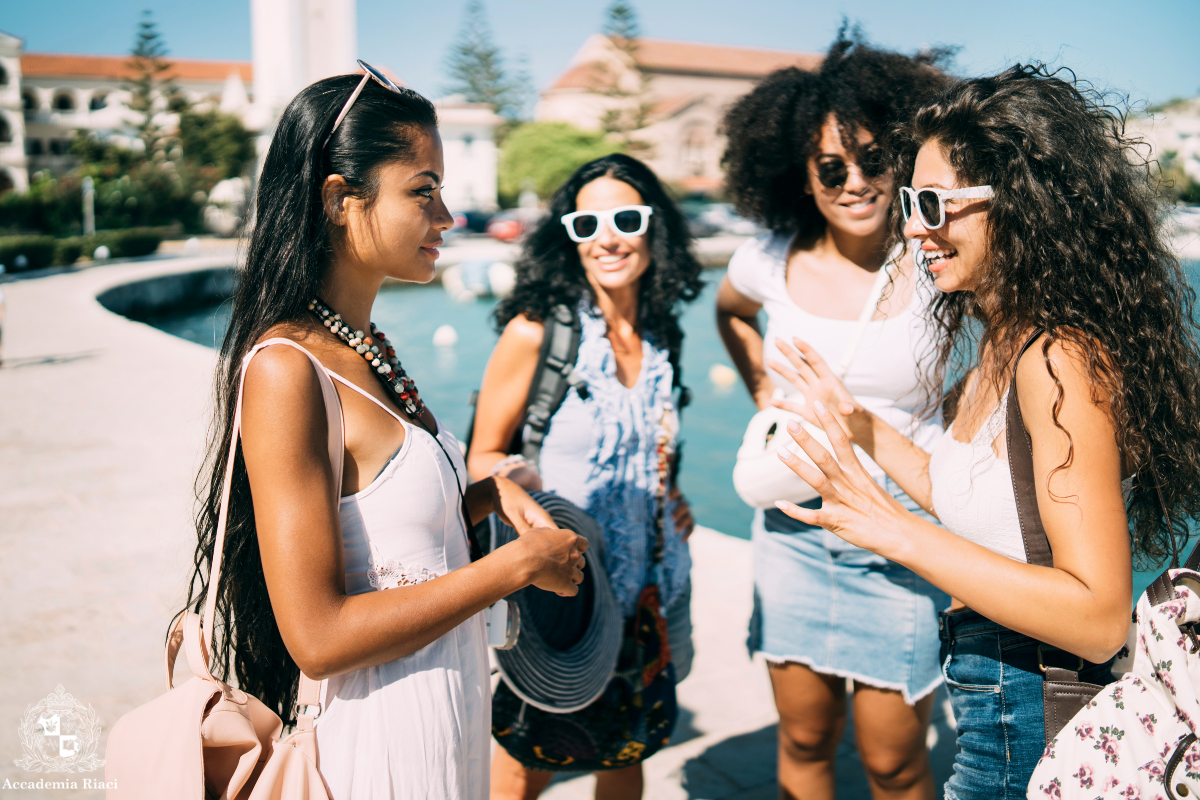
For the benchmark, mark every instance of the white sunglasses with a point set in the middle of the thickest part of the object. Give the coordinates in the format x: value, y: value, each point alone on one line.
x: 930, y: 204
x: 371, y: 74
x: 584, y: 226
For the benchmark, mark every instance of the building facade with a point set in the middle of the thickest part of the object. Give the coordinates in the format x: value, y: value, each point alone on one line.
x: 687, y: 88
x: 46, y: 97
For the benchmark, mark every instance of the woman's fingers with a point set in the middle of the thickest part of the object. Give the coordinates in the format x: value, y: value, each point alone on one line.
x: 842, y: 448
x: 798, y: 360
x: 803, y: 409
x: 809, y: 516
x: 813, y: 359
x: 814, y: 477
x: 825, y: 462
x: 790, y: 375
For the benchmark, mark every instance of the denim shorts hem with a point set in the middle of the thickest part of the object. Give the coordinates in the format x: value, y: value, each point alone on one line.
x: 902, y: 688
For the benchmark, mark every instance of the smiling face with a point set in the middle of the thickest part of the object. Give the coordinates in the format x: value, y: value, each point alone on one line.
x: 398, y: 233
x: 954, y: 253
x: 612, y: 260
x: 860, y: 205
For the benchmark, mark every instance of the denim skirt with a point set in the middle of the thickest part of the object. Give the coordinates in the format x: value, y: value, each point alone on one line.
x: 995, y: 688
x: 841, y: 610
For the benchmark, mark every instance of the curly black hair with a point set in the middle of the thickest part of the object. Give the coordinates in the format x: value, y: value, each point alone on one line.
x: 1076, y: 247
x: 773, y: 130
x: 549, y: 272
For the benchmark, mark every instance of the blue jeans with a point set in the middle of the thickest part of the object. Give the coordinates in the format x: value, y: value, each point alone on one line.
x: 995, y: 689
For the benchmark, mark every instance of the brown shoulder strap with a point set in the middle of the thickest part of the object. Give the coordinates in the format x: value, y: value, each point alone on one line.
x: 1020, y: 466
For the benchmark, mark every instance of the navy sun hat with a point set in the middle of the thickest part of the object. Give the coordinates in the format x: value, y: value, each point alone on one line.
x: 568, y: 647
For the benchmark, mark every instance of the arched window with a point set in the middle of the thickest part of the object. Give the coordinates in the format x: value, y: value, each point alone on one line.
x: 98, y: 101
x: 34, y: 147
x: 29, y: 100
x: 6, y: 181
x: 5, y: 131
x: 3, y: 76
x: 63, y: 101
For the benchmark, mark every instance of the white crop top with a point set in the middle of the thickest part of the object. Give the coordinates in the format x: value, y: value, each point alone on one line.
x: 884, y: 375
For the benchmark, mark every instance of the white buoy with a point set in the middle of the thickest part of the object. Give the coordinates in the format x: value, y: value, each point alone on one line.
x: 722, y: 376
x: 502, y: 278
x: 101, y: 253
x: 192, y: 245
x: 445, y: 336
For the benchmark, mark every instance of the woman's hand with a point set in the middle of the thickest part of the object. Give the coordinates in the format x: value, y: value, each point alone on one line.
x: 552, y: 557
x: 681, y: 512
x: 513, y: 505
x: 809, y: 373
x: 853, y: 506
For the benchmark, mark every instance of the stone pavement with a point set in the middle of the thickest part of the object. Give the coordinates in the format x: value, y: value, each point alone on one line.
x: 101, y: 435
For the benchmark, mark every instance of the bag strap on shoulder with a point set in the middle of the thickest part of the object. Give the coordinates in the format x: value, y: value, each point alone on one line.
x: 310, y: 691
x: 554, y: 377
x: 1020, y: 467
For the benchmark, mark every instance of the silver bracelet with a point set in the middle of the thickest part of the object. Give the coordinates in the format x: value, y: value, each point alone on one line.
x: 517, y: 460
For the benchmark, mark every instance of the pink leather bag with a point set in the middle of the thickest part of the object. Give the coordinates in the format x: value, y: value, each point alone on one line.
x: 207, y: 739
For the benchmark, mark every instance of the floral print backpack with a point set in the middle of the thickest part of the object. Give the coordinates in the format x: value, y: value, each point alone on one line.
x: 1136, y: 740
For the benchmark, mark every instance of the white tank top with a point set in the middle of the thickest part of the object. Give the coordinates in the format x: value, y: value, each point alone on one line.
x: 418, y: 727
x: 973, y: 490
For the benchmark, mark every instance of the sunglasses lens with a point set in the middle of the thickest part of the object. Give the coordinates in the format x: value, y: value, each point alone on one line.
x: 873, y: 163
x: 585, y: 225
x: 628, y: 221
x: 906, y: 205
x: 832, y: 174
x: 931, y: 209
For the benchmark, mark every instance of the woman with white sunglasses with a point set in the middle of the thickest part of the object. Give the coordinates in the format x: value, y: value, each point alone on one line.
x: 1079, y: 412
x: 808, y: 158
x: 615, y: 248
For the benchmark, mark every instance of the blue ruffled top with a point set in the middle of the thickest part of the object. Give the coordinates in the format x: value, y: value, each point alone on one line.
x: 601, y: 454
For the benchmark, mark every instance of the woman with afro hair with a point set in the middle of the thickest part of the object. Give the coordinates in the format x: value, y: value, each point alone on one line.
x: 809, y: 158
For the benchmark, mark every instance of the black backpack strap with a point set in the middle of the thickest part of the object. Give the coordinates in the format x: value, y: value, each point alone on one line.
x: 554, y: 377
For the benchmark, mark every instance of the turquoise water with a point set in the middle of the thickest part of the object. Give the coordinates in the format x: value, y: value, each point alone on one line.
x: 712, y: 424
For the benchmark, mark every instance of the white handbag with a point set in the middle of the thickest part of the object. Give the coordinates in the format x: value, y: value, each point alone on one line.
x: 759, y: 477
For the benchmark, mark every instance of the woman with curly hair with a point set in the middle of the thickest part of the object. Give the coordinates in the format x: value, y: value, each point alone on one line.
x: 1040, y: 226
x: 808, y: 158
x: 616, y: 248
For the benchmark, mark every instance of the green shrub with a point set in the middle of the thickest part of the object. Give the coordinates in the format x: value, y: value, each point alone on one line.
x: 546, y: 153
x: 126, y: 243
x: 38, y: 252
x: 68, y: 251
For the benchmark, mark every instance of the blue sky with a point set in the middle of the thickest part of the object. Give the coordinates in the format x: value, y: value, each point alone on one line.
x: 1150, y: 50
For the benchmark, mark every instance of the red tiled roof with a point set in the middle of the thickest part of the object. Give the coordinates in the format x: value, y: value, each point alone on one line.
x: 659, y: 55
x: 71, y: 65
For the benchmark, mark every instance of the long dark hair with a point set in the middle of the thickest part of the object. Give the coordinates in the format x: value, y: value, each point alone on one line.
x: 1075, y: 247
x: 549, y: 271
x: 774, y: 129
x: 288, y: 252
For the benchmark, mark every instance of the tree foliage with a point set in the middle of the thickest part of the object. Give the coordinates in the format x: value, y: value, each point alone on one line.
x: 216, y: 139
x: 150, y: 81
x: 627, y: 87
x: 478, y: 70
x: 547, y: 153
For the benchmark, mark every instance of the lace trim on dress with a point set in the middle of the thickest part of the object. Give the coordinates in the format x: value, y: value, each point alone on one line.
x: 391, y: 573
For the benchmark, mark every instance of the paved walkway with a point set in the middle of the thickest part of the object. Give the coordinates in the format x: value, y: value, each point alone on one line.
x: 101, y: 435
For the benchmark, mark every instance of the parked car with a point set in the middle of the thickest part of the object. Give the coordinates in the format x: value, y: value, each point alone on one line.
x: 511, y: 225
x: 725, y: 219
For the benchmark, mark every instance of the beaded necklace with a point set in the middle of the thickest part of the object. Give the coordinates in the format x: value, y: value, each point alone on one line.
x: 376, y: 351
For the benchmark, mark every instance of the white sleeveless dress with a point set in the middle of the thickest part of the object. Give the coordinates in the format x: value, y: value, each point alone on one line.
x: 418, y: 727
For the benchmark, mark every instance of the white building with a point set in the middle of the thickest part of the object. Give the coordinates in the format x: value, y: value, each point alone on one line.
x: 1173, y: 133
x: 46, y: 97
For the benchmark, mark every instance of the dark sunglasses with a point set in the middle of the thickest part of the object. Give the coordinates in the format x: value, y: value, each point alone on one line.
x: 833, y: 172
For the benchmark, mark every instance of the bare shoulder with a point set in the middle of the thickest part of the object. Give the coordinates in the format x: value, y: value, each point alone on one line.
x: 731, y: 301
x: 522, y: 338
x: 281, y: 374
x: 1063, y: 366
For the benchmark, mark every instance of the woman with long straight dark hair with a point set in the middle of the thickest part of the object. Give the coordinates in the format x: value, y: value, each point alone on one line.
x: 1041, y: 229
x: 368, y: 583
